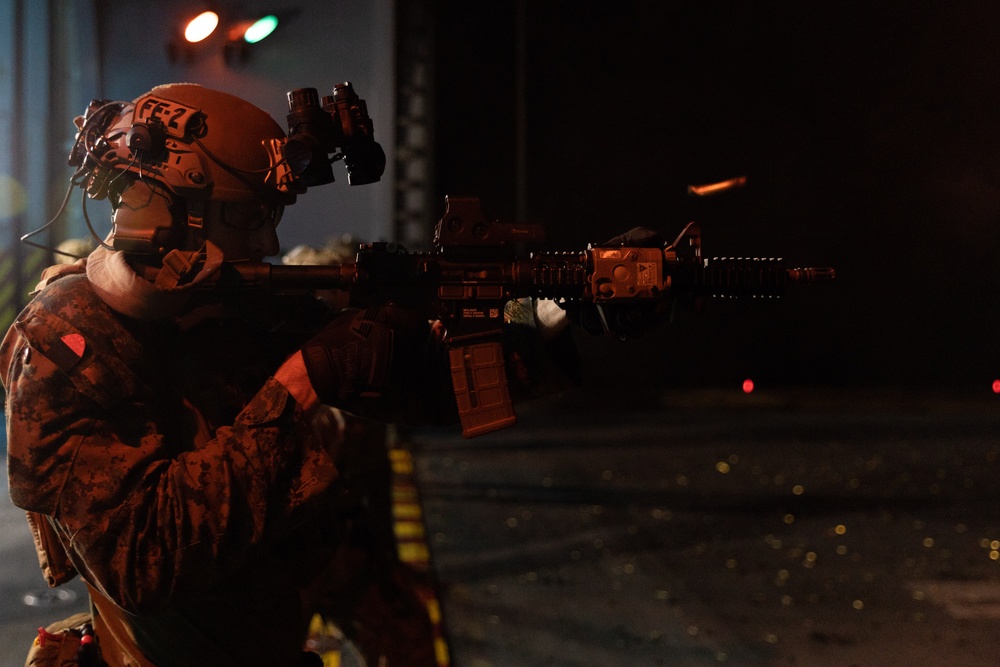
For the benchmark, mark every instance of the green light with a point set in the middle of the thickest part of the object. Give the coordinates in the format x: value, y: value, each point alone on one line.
x: 260, y: 29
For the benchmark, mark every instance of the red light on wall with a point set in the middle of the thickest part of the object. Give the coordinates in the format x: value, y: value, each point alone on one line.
x: 748, y: 386
x: 996, y: 386
x: 201, y: 26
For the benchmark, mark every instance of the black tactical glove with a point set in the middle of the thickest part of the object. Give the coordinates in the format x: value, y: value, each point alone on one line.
x: 366, y: 353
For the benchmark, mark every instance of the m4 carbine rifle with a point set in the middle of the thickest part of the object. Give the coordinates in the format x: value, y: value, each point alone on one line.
x: 477, y: 266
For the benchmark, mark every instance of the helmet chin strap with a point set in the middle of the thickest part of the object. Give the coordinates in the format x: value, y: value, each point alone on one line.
x: 196, y: 215
x: 195, y: 225
x: 188, y: 267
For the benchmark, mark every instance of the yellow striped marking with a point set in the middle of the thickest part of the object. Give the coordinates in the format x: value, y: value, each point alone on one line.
x: 412, y: 549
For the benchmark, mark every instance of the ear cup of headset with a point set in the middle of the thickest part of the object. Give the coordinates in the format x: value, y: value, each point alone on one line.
x: 145, y: 221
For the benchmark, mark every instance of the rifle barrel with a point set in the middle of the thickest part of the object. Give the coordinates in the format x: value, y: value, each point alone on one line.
x: 809, y: 275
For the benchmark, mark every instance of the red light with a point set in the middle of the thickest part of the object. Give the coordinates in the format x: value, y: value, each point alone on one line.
x: 996, y: 386
x: 748, y: 386
x: 201, y: 26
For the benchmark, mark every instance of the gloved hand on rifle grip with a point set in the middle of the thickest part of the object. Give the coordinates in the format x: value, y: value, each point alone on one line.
x: 365, y: 353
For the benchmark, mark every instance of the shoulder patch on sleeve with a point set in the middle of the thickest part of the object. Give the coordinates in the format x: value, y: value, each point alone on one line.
x: 67, y: 351
x: 75, y: 343
x: 69, y: 326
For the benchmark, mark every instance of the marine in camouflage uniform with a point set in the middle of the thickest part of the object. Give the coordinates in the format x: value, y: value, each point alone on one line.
x: 191, y: 503
x: 157, y: 436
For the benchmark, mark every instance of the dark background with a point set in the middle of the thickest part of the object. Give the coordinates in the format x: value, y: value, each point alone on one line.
x: 866, y: 132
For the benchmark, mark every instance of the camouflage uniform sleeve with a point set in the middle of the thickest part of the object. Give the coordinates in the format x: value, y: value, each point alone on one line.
x: 144, y: 516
